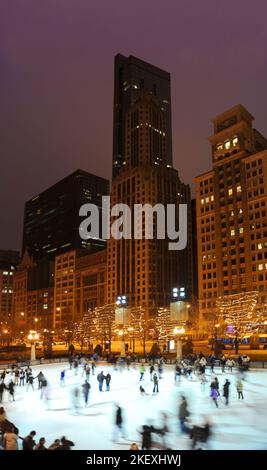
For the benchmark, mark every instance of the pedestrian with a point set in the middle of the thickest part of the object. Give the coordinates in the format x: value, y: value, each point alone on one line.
x: 55, y: 445
x: 142, y: 391
x: 142, y: 371
x: 177, y: 373
x: 119, y: 429
x: 44, y: 389
x: 214, y: 395
x: 93, y: 365
x: 75, y: 366
x: 230, y: 363
x: 2, y: 389
x: 41, y: 444
x: 29, y: 381
x: 86, y: 389
x: 239, y: 388
x: 160, y: 368
x: 100, y: 379
x: 10, y: 439
x: 21, y: 377
x: 28, y: 442
x: 40, y: 378
x: 16, y: 376
x: 183, y: 413
x: 65, y: 444
x: 156, y: 383
x: 223, y: 362
x: 62, y: 378
x: 212, y: 363
x: 108, y: 380
x: 226, y: 391
x: 151, y: 370
x: 146, y: 437
x: 87, y: 372
x: 11, y: 389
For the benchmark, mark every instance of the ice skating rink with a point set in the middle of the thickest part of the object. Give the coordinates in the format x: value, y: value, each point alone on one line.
x: 241, y: 425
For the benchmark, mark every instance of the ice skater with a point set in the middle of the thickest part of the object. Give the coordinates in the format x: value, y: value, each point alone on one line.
x: 86, y: 389
x: 239, y: 388
x: 156, y: 383
x: 119, y: 427
x: 108, y: 380
x: 100, y: 379
x: 62, y: 378
x: 226, y: 391
x: 142, y: 371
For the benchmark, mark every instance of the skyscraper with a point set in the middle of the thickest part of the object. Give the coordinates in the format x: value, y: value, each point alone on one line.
x: 131, y: 76
x: 231, y: 214
x: 144, y: 270
x: 51, y: 219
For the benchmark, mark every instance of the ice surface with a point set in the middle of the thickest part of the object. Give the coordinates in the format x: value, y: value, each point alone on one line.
x: 241, y: 425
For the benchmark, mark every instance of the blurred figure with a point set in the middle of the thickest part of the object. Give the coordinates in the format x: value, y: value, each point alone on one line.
x: 65, y: 444
x: 119, y: 427
x: 86, y: 389
x: 183, y: 413
x: 11, y: 389
x: 151, y: 370
x: 10, y: 440
x: 55, y: 445
x: 239, y: 388
x: 108, y: 380
x: 41, y: 444
x: 146, y: 437
x: 177, y: 373
x: 156, y: 383
x: 214, y: 395
x: 142, y: 371
x: 62, y: 378
x: 200, y: 434
x: 28, y: 442
x: 142, y: 391
x: 134, y: 446
x: 226, y: 391
x: 100, y: 379
x: 75, y: 399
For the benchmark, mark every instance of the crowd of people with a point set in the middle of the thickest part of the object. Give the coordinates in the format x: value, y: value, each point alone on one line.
x: 191, y: 367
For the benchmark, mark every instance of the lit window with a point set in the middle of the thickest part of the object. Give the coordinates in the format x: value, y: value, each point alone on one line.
x: 227, y: 144
x: 230, y: 192
x: 232, y: 214
x: 212, y: 198
x: 259, y: 246
x: 238, y: 189
x: 219, y: 146
x: 260, y: 267
x: 232, y: 232
x: 235, y: 141
x: 207, y: 199
x: 240, y: 211
x: 202, y: 201
x: 241, y: 230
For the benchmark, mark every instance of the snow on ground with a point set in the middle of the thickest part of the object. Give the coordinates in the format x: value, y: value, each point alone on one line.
x: 241, y: 425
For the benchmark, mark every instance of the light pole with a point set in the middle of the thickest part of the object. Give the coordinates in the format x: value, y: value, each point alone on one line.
x: 215, y: 335
x: 33, y: 337
x: 131, y: 329
x: 122, y: 302
x: 178, y: 332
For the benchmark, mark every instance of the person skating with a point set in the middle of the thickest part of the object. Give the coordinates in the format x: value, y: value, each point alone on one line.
x: 86, y: 389
x: 212, y: 363
x: 119, y: 428
x: 146, y: 437
x: 156, y: 383
x: 142, y: 391
x: 214, y: 395
x: 223, y: 362
x: 100, y: 379
x: 151, y: 370
x: 16, y: 377
x: 40, y: 378
x: 21, y: 377
x: 29, y: 381
x: 142, y: 371
x: 239, y: 388
x: 41, y: 444
x: 10, y: 439
x: 183, y: 413
x: 2, y: 389
x: 226, y: 391
x: 93, y: 365
x: 230, y: 363
x: 28, y: 442
x: 87, y: 372
x: 108, y: 380
x: 11, y: 389
x: 160, y: 368
x: 177, y: 373
x: 62, y: 378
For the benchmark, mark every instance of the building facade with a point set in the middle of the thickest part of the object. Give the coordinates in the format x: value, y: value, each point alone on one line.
x: 51, y: 219
x: 231, y: 214
x: 130, y: 76
x: 8, y: 262
x: 145, y: 270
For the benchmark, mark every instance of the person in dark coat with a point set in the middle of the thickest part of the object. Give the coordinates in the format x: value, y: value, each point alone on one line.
x: 11, y: 389
x: 30, y: 382
x: 2, y: 389
x: 226, y: 391
x: 65, y: 444
x: 100, y: 379
x: 119, y: 429
x: 183, y: 413
x: 108, y: 380
x: 28, y: 442
x: 146, y: 437
x: 86, y: 389
x: 151, y: 370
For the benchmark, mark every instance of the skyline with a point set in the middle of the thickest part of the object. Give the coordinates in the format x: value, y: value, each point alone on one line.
x: 52, y: 121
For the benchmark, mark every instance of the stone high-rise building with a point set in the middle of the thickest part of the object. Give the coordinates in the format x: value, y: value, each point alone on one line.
x: 231, y: 213
x: 145, y: 270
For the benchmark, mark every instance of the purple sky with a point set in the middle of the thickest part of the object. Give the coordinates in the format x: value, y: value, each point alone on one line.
x: 56, y: 83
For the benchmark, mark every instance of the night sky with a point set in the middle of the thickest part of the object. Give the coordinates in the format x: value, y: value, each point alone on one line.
x: 56, y: 83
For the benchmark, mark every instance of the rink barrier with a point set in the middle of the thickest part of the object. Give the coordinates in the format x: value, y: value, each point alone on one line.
x: 8, y: 365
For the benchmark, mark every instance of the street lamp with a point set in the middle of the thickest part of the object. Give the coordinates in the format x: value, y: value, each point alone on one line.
x: 178, y: 332
x: 33, y: 337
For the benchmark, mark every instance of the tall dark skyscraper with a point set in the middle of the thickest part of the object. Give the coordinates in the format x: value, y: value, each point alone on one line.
x: 51, y: 219
x: 131, y: 76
